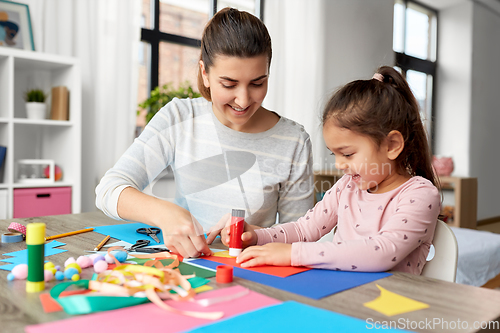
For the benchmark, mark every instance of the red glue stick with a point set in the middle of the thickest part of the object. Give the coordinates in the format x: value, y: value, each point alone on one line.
x: 237, y: 225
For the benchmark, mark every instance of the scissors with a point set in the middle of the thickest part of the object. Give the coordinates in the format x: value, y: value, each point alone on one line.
x: 139, y: 246
x: 151, y: 232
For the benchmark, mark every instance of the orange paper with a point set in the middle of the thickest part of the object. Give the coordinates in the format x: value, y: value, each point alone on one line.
x: 279, y: 271
x: 50, y: 305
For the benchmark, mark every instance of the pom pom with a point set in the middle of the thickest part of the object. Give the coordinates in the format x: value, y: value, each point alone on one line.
x: 75, y: 277
x: 68, y: 273
x: 49, y: 266
x: 10, y: 277
x: 20, y: 271
x: 69, y: 261
x: 84, y: 261
x: 93, y: 256
x: 59, y: 276
x: 97, y: 258
x: 48, y: 275
x: 58, y: 268
x: 100, y: 266
x: 74, y: 265
x: 108, y: 259
x: 121, y: 256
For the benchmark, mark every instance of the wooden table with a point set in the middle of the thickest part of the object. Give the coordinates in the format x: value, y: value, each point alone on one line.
x: 453, y: 303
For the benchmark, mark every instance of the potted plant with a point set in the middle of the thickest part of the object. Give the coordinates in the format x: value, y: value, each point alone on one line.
x: 162, y: 95
x: 35, y: 103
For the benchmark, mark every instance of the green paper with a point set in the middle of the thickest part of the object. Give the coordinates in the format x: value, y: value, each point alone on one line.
x: 197, y: 282
x: 184, y: 268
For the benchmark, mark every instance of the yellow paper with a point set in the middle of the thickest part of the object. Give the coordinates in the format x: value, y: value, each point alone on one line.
x: 223, y: 254
x: 392, y: 304
x: 202, y: 289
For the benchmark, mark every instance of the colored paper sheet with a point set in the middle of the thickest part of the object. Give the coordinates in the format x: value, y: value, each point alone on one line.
x: 149, y: 317
x: 392, y: 304
x: 314, y: 283
x: 281, y: 271
x: 21, y: 257
x: 202, y: 289
x: 184, y: 267
x: 127, y: 232
x: 222, y: 254
x: 50, y: 305
x: 276, y: 319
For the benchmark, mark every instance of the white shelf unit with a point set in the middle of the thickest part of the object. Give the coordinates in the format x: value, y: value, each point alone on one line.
x: 58, y: 140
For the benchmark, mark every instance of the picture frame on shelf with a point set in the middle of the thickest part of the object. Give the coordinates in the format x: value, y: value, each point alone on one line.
x: 15, y: 26
x: 35, y: 171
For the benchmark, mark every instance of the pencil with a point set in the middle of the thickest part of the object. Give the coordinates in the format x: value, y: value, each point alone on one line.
x: 101, y: 244
x: 69, y: 233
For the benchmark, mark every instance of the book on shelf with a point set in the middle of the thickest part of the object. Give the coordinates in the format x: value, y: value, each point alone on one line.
x: 3, y: 152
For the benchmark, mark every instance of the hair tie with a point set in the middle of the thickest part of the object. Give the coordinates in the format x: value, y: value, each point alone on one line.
x: 378, y: 76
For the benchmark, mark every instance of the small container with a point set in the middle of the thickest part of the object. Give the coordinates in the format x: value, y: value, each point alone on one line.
x: 224, y: 274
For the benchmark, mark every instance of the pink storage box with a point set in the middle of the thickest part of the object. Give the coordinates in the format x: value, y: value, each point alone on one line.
x: 32, y: 202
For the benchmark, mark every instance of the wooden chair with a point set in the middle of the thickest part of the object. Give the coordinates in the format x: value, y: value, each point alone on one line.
x: 443, y: 265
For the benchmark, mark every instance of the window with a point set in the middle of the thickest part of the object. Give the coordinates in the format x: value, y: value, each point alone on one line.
x: 170, y: 48
x: 415, y: 40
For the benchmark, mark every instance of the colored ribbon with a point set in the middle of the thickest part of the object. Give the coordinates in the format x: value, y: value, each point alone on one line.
x: 127, y: 285
x: 12, y: 237
x: 17, y: 227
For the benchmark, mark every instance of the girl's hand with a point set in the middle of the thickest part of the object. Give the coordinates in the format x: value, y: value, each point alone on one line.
x: 248, y: 238
x: 276, y: 254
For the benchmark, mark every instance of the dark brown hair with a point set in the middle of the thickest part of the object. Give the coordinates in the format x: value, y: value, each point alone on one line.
x: 374, y: 108
x: 232, y: 33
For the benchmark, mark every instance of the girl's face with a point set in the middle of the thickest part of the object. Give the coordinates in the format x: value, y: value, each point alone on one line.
x: 358, y: 156
x: 237, y: 87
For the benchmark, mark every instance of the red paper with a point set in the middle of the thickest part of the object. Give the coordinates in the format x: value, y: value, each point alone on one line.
x: 280, y: 271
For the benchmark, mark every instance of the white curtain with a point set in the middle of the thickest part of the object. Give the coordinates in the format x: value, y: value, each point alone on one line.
x: 296, y: 83
x: 104, y: 35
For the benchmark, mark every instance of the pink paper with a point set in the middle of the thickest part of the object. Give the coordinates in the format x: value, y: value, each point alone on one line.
x: 149, y: 317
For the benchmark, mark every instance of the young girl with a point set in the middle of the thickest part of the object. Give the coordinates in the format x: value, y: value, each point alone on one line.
x: 386, y: 205
x: 226, y: 150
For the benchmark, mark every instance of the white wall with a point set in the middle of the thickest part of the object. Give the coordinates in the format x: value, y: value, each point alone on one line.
x: 485, y: 109
x: 358, y: 40
x: 467, y: 109
x: 453, y: 79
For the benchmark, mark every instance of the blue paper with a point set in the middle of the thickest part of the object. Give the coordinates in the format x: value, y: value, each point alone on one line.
x: 315, y: 283
x: 21, y: 257
x: 128, y: 233
x: 277, y: 318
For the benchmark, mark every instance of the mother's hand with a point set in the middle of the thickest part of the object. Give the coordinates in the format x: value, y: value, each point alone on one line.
x: 183, y: 234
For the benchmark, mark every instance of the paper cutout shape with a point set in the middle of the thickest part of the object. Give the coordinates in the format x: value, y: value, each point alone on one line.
x: 50, y: 305
x: 392, y: 304
x: 127, y: 232
x: 21, y: 257
x: 222, y: 254
x: 149, y: 316
x: 202, y: 289
x: 280, y: 271
x: 276, y: 318
x: 314, y: 283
